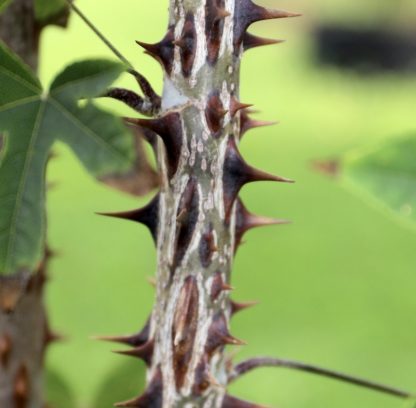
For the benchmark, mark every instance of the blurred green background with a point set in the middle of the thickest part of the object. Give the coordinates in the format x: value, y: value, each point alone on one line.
x: 337, y: 287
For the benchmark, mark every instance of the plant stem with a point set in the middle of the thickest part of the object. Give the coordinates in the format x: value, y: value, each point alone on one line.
x: 252, y: 364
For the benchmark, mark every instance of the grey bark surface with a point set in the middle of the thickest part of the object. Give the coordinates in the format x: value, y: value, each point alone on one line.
x: 23, y: 338
x: 197, y: 219
x: 200, y: 168
x: 19, y: 30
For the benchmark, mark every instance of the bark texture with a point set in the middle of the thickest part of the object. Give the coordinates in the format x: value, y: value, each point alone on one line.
x: 24, y: 335
x: 197, y: 219
x: 20, y: 31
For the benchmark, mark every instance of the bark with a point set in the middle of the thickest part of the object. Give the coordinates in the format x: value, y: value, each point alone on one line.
x: 23, y: 326
x: 197, y: 219
x: 24, y: 336
x: 19, y: 30
x: 196, y: 237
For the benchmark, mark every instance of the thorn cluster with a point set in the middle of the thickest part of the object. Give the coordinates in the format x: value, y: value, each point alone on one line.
x: 222, y: 119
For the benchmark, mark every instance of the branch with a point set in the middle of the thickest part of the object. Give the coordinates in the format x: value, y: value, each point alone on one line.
x: 131, y: 99
x: 249, y: 365
x: 147, y: 89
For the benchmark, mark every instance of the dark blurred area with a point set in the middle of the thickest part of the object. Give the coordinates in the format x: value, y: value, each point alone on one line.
x: 366, y: 49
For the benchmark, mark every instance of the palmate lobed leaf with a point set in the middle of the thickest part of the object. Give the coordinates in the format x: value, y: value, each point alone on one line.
x: 386, y: 174
x: 32, y: 121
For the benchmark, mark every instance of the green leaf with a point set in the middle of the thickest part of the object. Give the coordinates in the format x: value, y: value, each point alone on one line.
x: 386, y: 174
x: 49, y: 10
x: 32, y: 121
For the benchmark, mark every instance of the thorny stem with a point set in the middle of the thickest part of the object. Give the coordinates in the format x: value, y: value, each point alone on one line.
x: 197, y: 219
x: 261, y: 362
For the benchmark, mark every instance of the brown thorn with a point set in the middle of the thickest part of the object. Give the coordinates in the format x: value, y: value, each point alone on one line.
x: 21, y: 388
x: 238, y: 307
x: 5, y: 350
x: 251, y: 41
x: 236, y: 105
x: 144, y: 352
x: 134, y: 340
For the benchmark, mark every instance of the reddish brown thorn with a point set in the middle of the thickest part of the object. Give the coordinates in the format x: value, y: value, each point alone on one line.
x: 50, y: 336
x: 21, y: 388
x: 251, y: 41
x: 207, y: 247
x: 169, y: 128
x: 238, y: 307
x: 162, y: 51
x: 152, y: 397
x: 218, y: 12
x: 5, y: 350
x: 232, y: 402
x: 246, y: 221
x: 188, y: 45
x: 214, y: 113
x: 214, y: 28
x: 219, y: 286
x: 246, y: 123
x: 238, y: 173
x: 147, y: 216
x: 203, y: 378
x: 219, y: 336
x: 134, y: 340
x: 144, y: 352
x: 248, y: 13
x: 236, y: 106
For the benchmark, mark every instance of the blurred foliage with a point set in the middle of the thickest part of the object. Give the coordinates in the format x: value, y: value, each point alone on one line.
x: 386, y: 173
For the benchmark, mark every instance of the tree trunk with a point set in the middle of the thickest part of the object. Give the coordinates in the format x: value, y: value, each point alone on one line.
x: 19, y: 30
x: 23, y: 326
x: 200, y: 220
x: 24, y: 336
